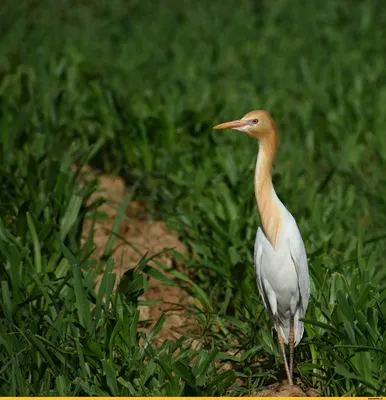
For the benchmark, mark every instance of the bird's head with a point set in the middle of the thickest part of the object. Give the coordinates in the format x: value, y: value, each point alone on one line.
x: 257, y: 124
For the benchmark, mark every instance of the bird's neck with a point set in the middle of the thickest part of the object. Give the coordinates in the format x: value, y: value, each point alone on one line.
x: 267, y: 201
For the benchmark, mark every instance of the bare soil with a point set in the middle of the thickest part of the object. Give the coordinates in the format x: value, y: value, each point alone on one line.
x: 148, y: 238
x: 282, y: 389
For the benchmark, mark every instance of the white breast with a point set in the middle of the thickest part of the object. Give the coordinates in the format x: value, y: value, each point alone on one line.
x: 277, y: 277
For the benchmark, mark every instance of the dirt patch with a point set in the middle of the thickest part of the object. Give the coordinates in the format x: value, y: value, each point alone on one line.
x: 145, y: 238
x: 282, y: 389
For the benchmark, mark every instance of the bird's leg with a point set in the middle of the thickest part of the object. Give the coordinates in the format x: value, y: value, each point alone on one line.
x: 291, y: 346
x: 282, y: 348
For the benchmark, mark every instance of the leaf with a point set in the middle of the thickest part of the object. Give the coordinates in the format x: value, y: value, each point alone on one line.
x: 120, y: 216
x: 7, y: 304
x: 308, y: 366
x: 41, y: 349
x: 157, y: 274
x: 156, y: 328
x: 129, y: 386
x: 199, y: 292
x: 36, y: 244
x: 252, y: 352
x: 342, y: 370
x: 82, y: 305
x: 70, y: 215
x: 110, y: 377
x: 322, y: 325
x: 183, y: 371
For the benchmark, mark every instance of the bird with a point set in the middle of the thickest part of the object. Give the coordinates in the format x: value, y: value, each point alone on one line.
x: 280, y: 257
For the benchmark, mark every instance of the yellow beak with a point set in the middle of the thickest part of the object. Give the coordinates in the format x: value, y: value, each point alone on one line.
x: 239, y: 123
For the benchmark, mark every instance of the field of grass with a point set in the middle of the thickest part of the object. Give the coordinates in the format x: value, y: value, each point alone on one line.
x: 133, y: 88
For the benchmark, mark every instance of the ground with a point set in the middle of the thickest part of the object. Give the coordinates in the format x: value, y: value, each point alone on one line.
x: 146, y: 237
x: 282, y: 389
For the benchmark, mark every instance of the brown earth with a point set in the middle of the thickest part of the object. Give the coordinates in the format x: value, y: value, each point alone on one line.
x: 145, y: 237
x: 282, y: 389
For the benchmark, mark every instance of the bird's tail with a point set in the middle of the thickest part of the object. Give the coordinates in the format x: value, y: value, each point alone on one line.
x: 284, y: 328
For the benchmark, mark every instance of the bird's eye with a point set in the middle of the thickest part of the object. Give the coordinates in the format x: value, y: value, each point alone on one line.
x: 255, y: 121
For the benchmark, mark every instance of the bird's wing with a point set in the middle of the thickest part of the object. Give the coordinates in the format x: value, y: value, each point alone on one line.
x: 258, y: 256
x: 299, y: 258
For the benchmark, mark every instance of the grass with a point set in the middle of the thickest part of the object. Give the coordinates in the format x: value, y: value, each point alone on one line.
x: 133, y: 88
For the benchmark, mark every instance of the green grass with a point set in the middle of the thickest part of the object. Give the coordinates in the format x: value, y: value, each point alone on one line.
x: 133, y: 88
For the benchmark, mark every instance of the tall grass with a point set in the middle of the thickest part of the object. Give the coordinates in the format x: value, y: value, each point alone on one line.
x: 134, y: 88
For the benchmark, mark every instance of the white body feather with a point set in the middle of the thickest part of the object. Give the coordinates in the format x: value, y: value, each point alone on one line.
x: 282, y: 275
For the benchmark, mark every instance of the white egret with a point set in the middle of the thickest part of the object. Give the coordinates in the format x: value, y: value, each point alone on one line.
x: 279, y: 255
